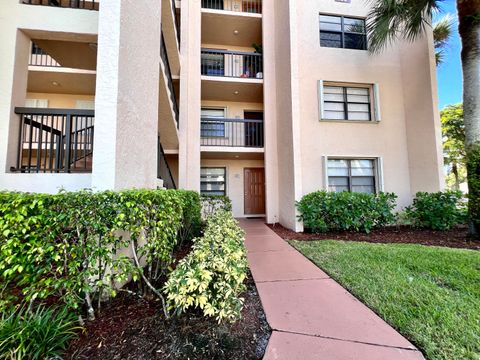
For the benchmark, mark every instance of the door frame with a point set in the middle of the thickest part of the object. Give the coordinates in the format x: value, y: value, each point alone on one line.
x: 264, y: 191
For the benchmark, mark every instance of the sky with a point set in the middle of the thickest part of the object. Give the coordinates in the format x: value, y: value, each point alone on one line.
x: 450, y: 72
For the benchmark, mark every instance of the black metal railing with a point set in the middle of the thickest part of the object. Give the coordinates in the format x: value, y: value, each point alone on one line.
x: 231, y: 132
x: 38, y: 57
x: 166, y: 64
x: 176, y: 20
x: 55, y: 140
x: 231, y: 64
x: 163, y: 169
x: 75, y: 4
x: 248, y: 6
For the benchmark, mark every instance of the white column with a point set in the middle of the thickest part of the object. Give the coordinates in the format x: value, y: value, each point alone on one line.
x: 127, y: 95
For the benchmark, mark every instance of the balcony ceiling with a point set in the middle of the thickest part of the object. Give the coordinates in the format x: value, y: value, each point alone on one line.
x: 225, y: 91
x: 67, y: 82
x: 78, y: 55
x: 219, y: 29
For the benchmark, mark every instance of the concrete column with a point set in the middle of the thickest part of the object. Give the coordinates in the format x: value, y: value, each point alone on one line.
x: 15, y: 47
x: 270, y: 112
x: 127, y: 95
x: 190, y: 96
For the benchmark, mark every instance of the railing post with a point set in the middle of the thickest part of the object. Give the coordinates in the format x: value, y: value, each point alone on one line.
x: 68, y: 136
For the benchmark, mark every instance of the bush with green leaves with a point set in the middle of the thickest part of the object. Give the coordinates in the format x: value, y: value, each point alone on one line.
x: 324, y: 211
x: 437, y: 211
x: 214, y: 203
x: 211, y: 277
x: 71, y: 246
x: 192, y: 221
x: 41, y: 333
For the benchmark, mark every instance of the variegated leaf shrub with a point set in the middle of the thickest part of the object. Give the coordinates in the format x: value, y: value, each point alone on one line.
x: 211, y: 277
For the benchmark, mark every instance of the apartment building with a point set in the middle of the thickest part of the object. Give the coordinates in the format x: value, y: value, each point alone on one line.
x: 260, y: 100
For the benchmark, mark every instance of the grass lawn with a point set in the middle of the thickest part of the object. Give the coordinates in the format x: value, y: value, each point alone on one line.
x: 429, y: 294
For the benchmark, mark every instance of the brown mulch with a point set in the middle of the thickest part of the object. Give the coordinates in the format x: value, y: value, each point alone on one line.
x: 455, y: 238
x: 133, y: 328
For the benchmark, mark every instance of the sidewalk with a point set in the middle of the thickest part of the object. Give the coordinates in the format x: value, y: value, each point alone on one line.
x: 313, y: 317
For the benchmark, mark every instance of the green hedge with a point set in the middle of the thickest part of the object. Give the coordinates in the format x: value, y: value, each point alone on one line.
x: 69, y: 245
x: 323, y: 211
x: 437, y: 211
x: 211, y: 276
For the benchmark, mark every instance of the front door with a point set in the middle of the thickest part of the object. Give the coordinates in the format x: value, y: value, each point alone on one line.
x: 254, y: 183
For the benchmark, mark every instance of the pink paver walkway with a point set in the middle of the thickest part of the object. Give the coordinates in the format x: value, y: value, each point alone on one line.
x: 312, y: 316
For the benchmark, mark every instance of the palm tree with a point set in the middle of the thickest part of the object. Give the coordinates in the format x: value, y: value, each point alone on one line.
x: 408, y: 19
x: 442, y: 32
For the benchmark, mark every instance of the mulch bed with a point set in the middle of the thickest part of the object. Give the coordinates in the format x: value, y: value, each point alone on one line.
x: 133, y: 328
x: 455, y: 238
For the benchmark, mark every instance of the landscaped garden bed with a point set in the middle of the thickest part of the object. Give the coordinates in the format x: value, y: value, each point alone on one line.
x: 139, y: 274
x: 455, y: 238
x: 429, y: 294
x: 134, y: 328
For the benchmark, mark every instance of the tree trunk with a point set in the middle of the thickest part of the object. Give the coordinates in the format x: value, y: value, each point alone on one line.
x: 469, y: 28
x: 456, y: 186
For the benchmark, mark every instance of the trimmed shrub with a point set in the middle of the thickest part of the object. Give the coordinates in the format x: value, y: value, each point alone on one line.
x: 70, y: 245
x: 39, y: 334
x: 214, y: 203
x: 323, y: 211
x: 437, y: 211
x: 192, y: 221
x: 211, y: 276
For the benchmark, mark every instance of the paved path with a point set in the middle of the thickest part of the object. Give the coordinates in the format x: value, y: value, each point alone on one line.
x: 312, y: 316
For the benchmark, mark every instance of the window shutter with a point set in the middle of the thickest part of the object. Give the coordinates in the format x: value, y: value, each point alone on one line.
x: 381, y: 183
x: 321, y: 112
x: 325, y: 172
x: 376, y: 99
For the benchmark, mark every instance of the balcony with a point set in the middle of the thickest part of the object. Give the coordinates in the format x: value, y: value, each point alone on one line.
x: 55, y: 140
x: 168, y: 72
x: 74, y: 4
x: 244, y: 6
x: 232, y: 64
x: 232, y: 133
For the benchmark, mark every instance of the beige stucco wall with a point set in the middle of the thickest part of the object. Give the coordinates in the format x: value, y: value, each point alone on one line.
x: 235, y: 178
x: 60, y: 101
x: 190, y: 96
x: 127, y: 95
x: 407, y: 136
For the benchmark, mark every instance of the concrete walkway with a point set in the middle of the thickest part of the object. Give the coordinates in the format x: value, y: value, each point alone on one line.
x: 312, y: 316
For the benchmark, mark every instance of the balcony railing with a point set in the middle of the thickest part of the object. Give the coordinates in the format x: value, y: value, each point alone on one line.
x: 75, y: 4
x: 231, y: 132
x: 55, y: 140
x: 163, y: 169
x: 38, y: 57
x: 166, y: 64
x: 248, y: 6
x: 233, y: 64
x: 176, y: 21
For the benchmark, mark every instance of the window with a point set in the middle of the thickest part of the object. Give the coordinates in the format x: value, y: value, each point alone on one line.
x: 212, y: 181
x: 210, y: 127
x: 355, y: 175
x: 343, y: 32
x: 346, y: 103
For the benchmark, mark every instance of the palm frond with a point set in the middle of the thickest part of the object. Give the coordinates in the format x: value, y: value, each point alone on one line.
x: 389, y: 20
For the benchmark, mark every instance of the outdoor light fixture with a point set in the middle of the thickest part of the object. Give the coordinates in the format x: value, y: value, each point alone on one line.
x: 235, y: 32
x: 236, y: 92
x: 55, y: 83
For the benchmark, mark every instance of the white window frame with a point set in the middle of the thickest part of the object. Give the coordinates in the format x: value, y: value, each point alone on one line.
x: 374, y: 94
x: 378, y: 169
